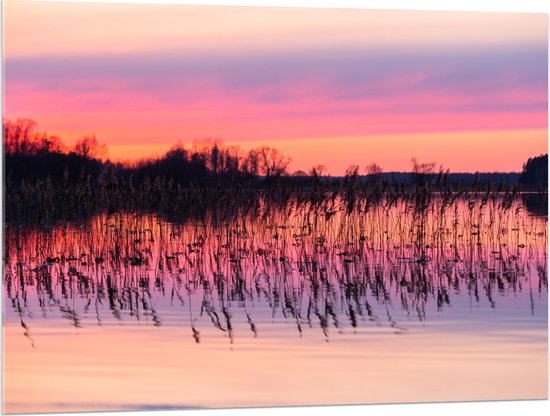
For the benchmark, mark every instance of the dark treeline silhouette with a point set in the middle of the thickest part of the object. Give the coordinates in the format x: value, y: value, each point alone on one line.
x: 31, y: 156
x: 37, y: 156
x: 44, y: 178
x: 535, y: 171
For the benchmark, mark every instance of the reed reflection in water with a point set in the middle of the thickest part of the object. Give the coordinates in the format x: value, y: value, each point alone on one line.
x: 306, y: 303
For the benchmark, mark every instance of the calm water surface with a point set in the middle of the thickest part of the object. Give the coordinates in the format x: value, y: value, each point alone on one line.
x: 292, y: 306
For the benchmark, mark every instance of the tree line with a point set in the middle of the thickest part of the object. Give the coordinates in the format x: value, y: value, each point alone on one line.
x: 535, y: 171
x: 31, y: 155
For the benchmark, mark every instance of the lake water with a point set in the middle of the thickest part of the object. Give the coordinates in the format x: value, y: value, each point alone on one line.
x: 289, y: 306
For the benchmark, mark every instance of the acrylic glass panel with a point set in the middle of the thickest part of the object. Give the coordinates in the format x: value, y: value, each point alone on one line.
x: 213, y: 206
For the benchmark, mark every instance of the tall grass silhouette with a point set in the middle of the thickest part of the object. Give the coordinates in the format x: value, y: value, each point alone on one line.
x: 326, y: 260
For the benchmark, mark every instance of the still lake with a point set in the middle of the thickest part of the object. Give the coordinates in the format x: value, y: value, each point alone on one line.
x: 296, y: 305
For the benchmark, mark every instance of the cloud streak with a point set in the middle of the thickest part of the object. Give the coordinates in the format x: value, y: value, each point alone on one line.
x: 335, y: 74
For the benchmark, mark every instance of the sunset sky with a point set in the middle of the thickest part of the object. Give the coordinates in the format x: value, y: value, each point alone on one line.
x: 332, y: 87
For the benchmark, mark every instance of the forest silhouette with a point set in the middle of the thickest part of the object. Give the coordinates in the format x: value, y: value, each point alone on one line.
x: 44, y: 178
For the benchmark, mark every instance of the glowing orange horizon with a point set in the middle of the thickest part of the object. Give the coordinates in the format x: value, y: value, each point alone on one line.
x: 333, y: 152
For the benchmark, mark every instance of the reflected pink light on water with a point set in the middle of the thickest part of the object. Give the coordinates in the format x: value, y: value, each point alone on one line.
x: 279, y: 307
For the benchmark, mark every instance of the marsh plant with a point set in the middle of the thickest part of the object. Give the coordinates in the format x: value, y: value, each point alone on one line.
x: 336, y: 261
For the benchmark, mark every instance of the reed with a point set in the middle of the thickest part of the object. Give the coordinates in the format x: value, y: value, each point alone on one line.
x: 318, y: 258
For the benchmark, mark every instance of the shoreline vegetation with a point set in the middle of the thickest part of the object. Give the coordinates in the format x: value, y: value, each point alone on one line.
x: 327, y: 272
x: 222, y: 230
x: 46, y: 181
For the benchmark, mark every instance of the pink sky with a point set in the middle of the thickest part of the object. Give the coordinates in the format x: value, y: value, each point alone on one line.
x: 332, y: 87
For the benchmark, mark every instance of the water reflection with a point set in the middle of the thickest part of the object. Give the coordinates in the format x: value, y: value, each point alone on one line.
x: 280, y: 275
x: 536, y: 204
